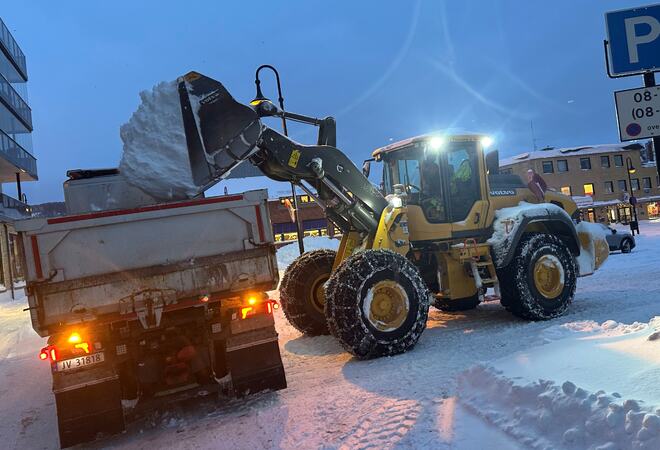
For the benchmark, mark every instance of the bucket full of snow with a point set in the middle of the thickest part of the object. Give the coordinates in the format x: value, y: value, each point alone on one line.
x: 155, y: 156
x: 220, y: 132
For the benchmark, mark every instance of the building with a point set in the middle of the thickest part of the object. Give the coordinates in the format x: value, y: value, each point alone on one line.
x: 312, y: 217
x: 17, y: 163
x: 600, y: 178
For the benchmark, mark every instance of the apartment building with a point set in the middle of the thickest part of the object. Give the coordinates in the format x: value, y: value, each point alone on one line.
x: 600, y: 178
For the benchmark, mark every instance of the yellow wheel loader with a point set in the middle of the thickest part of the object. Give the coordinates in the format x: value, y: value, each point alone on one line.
x: 443, y: 229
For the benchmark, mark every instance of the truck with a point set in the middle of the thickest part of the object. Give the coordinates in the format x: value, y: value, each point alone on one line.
x: 142, y: 300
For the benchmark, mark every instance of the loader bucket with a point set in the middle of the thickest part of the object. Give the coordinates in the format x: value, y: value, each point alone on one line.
x: 220, y: 132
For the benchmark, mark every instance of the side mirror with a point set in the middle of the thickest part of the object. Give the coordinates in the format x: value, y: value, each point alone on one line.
x: 493, y: 162
x: 366, y: 168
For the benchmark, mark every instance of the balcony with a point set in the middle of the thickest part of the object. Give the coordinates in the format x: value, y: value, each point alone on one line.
x: 15, y: 103
x: 13, y: 209
x: 15, y: 159
x: 14, y: 54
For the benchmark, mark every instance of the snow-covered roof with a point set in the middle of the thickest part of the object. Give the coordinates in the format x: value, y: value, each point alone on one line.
x: 570, y: 151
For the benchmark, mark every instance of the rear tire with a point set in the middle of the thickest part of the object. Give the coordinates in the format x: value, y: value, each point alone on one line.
x: 376, y: 304
x: 539, y: 283
x: 459, y: 304
x: 626, y: 246
x: 302, y: 294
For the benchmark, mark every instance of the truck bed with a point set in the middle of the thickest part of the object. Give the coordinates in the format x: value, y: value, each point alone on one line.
x: 115, y: 265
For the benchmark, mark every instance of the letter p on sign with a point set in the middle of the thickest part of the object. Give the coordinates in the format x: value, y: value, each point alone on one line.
x: 633, y: 25
x: 634, y: 40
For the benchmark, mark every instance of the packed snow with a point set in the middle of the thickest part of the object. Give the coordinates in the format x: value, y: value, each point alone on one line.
x: 155, y: 155
x: 476, y: 379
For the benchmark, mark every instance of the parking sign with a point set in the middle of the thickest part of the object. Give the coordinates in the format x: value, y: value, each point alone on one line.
x: 634, y: 39
x: 638, y: 113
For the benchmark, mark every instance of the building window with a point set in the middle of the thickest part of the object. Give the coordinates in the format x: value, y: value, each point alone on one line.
x: 547, y: 167
x: 605, y: 161
x: 585, y: 163
x: 618, y: 160
x: 589, y: 189
x: 634, y: 183
x: 609, y: 187
x: 507, y: 171
x: 622, y: 185
x: 566, y: 190
x: 562, y: 165
x: 647, y: 182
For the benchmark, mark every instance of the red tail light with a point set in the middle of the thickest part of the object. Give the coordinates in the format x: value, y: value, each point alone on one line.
x: 48, y: 353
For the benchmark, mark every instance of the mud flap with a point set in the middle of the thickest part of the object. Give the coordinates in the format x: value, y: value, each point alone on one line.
x: 84, y: 412
x: 255, y: 365
x: 220, y: 132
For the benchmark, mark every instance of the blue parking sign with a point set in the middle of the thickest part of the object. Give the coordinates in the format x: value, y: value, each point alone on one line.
x: 634, y: 39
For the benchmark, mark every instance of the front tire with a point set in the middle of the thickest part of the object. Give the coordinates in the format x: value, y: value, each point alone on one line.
x: 626, y: 246
x: 376, y: 304
x: 302, y: 293
x: 539, y: 283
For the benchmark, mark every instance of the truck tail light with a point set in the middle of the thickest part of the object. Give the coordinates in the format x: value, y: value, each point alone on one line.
x: 47, y: 353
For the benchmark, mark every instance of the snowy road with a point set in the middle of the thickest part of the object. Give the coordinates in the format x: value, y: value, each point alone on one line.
x: 334, y: 401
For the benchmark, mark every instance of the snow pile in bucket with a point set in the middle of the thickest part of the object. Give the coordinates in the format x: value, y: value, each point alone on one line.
x: 543, y: 415
x: 287, y: 254
x: 155, y: 157
x: 507, y: 221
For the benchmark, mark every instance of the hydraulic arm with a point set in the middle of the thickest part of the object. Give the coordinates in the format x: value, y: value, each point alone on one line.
x: 221, y: 133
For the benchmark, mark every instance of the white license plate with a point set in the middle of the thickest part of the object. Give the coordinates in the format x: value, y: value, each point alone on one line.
x: 81, y: 361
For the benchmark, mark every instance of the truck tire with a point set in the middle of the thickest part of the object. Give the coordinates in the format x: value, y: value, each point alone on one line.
x: 539, y: 283
x: 302, y: 293
x: 459, y: 304
x: 376, y: 304
x: 626, y: 246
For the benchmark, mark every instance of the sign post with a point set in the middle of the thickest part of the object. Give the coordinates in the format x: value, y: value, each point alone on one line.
x: 633, y: 39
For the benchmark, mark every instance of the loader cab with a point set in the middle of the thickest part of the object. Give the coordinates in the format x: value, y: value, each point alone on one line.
x: 444, y: 178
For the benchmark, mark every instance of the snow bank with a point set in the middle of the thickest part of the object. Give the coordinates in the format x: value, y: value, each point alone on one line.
x: 155, y: 157
x: 287, y: 254
x: 544, y: 415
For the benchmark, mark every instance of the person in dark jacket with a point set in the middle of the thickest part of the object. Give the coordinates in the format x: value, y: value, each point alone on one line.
x: 536, y: 184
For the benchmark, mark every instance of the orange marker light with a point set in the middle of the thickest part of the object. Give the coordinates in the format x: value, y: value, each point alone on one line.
x: 245, y: 311
x: 84, y: 346
x: 252, y: 300
x: 75, y: 338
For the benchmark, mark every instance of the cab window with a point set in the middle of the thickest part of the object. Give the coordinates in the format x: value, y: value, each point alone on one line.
x: 463, y: 174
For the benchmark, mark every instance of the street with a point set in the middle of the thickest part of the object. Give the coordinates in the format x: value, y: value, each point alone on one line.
x: 334, y: 401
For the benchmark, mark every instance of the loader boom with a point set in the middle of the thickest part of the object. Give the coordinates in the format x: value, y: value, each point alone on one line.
x: 222, y: 133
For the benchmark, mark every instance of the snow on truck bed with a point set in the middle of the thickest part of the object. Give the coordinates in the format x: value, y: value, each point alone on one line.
x: 435, y: 396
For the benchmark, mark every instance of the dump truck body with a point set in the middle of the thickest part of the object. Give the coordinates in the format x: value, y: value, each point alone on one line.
x: 146, y: 301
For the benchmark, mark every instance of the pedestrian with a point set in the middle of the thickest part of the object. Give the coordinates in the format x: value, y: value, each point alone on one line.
x: 536, y: 184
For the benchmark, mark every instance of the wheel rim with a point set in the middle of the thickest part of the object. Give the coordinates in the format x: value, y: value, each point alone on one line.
x: 549, y: 276
x: 318, y: 292
x: 386, y: 305
x: 626, y: 246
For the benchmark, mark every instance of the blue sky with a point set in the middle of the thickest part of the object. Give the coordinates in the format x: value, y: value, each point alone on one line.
x: 385, y: 70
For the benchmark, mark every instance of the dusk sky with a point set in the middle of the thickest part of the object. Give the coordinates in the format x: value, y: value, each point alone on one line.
x: 384, y: 70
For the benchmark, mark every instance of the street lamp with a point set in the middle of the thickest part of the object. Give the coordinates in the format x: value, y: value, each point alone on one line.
x: 258, y: 99
x: 634, y: 224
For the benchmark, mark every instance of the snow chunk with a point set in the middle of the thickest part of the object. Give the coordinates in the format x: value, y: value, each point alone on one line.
x: 545, y: 415
x: 155, y: 157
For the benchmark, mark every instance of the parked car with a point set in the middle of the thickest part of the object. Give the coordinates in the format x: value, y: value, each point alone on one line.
x: 619, y: 240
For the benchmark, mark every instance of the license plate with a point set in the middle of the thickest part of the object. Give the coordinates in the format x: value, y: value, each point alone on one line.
x: 81, y: 361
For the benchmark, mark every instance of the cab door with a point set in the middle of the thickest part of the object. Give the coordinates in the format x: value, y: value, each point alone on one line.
x: 465, y: 179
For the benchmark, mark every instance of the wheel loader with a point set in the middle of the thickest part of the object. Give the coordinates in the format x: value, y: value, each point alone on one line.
x: 442, y: 229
